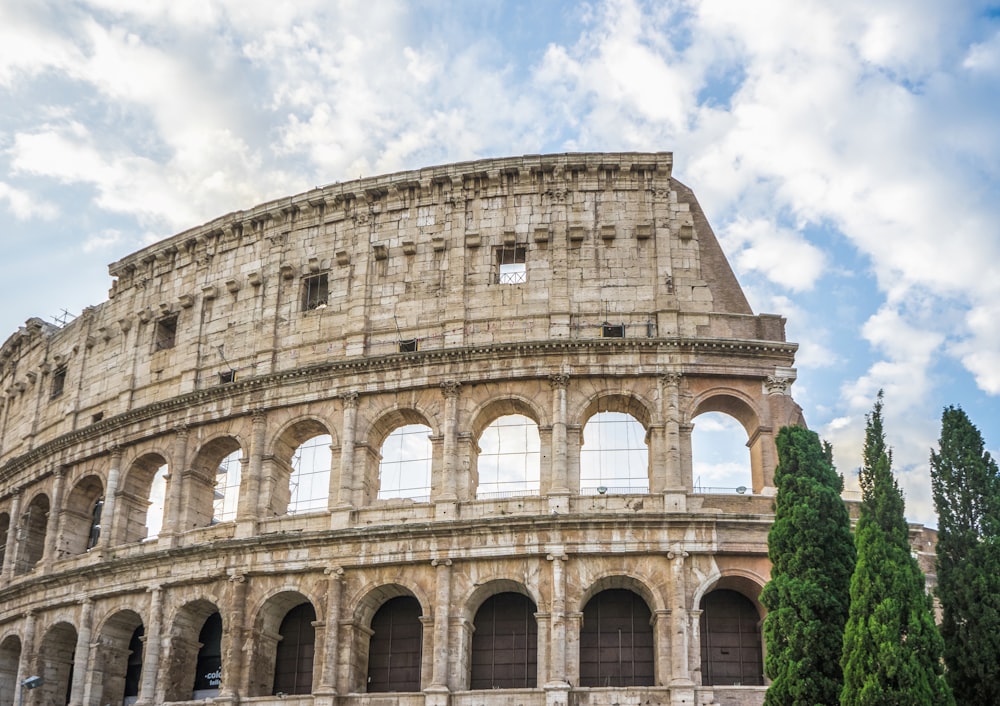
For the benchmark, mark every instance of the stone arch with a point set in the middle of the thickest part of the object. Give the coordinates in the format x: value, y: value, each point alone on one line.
x: 745, y: 581
x: 136, y: 504
x: 617, y: 615
x: 10, y: 659
x: 637, y: 584
x: 81, y: 521
x: 185, y: 647
x: 525, y: 480
x: 277, y: 493
x: 367, y: 604
x: 55, y: 664
x: 116, y: 668
x: 211, y: 495
x: 749, y: 413
x: 500, y: 607
x: 379, y: 434
x: 730, y: 629
x: 268, y: 622
x: 34, y: 525
x: 621, y: 473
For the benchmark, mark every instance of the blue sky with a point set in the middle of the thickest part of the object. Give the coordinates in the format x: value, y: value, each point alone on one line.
x: 847, y: 154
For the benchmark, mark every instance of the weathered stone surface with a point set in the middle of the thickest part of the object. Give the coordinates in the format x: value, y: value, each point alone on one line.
x: 351, y: 310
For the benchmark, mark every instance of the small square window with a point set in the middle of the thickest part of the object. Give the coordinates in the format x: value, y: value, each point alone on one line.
x: 166, y: 333
x: 96, y: 417
x: 315, y: 291
x: 512, y: 265
x: 409, y: 346
x: 227, y: 376
x: 58, y: 382
x: 613, y: 330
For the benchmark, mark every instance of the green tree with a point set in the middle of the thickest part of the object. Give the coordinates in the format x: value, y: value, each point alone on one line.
x: 966, y: 486
x: 892, y: 648
x: 812, y: 558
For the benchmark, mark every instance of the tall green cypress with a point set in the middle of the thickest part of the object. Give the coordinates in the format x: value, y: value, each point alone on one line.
x: 812, y: 557
x: 892, y: 648
x: 966, y: 486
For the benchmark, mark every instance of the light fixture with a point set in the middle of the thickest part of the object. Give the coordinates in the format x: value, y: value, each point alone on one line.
x: 602, y: 489
x: 32, y: 682
x: 741, y: 490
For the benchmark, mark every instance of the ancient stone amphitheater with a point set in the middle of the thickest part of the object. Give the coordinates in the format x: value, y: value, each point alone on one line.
x: 422, y: 438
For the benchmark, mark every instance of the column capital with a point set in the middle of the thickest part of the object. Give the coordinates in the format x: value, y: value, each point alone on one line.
x: 237, y: 577
x: 560, y: 556
x: 559, y: 381
x: 115, y: 450
x: 335, y: 572
x: 679, y: 554
x: 451, y: 388
x: 777, y: 385
x: 440, y: 562
x: 258, y: 414
x: 350, y: 398
x: 672, y: 378
x: 181, y: 430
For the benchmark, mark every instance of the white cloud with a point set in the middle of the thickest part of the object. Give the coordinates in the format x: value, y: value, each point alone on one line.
x: 782, y: 255
x: 25, y: 205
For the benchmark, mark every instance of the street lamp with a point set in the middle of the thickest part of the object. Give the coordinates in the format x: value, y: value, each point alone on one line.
x: 29, y: 683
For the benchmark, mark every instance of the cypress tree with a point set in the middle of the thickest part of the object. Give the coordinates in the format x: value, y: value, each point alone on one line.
x: 892, y: 648
x: 966, y: 486
x: 812, y: 557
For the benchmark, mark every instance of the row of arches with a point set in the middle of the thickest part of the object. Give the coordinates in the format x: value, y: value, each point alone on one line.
x: 617, y: 647
x: 303, y: 472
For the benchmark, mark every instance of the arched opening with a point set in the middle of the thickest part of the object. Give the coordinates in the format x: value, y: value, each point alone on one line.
x: 293, y: 661
x: 35, y: 523
x: 226, y: 494
x: 81, y: 518
x: 55, y: 663
x: 616, y: 640
x: 141, y: 500
x: 730, y: 640
x: 208, y: 665
x: 394, y: 649
x: 309, y: 483
x: 157, y: 503
x: 4, y: 530
x: 509, y: 458
x: 193, y: 664
x: 505, y: 643
x: 116, y: 663
x: 10, y: 657
x: 614, y: 457
x: 404, y: 470
x: 720, y: 459
x: 133, y: 667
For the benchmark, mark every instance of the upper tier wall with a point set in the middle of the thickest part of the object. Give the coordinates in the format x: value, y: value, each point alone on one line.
x: 414, y: 256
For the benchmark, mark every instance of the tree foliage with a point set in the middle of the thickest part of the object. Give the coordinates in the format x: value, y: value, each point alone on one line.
x: 966, y: 486
x: 892, y: 648
x: 812, y: 557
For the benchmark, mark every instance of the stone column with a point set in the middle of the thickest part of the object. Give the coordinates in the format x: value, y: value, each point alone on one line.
x: 559, y: 383
x: 662, y: 639
x: 334, y: 590
x: 27, y: 651
x: 110, y: 497
x: 442, y: 607
x: 9, y: 560
x: 543, y: 620
x: 451, y: 390
x: 680, y: 669
x: 233, y: 631
x: 347, y: 471
x: 53, y: 525
x: 81, y: 656
x: 175, y: 491
x: 557, y: 642
x: 670, y: 385
x: 151, y: 648
x: 249, y: 509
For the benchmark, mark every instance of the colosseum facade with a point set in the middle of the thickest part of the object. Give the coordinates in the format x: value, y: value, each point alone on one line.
x: 422, y: 438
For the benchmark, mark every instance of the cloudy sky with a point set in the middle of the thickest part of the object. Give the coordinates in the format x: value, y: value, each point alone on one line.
x: 847, y: 153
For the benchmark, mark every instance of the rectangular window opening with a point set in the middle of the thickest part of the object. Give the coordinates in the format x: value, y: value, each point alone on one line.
x: 58, y: 382
x: 408, y: 346
x: 612, y: 330
x: 315, y: 292
x: 227, y: 376
x: 95, y: 418
x: 512, y: 265
x: 166, y: 333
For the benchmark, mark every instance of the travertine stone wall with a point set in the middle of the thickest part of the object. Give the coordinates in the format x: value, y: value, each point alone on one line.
x: 97, y: 406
